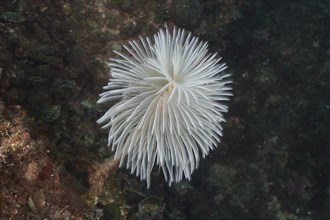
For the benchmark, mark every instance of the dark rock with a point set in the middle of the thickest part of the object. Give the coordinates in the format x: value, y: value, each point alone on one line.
x: 186, y: 13
x: 12, y: 17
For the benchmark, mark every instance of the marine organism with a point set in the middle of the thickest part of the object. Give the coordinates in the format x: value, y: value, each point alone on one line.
x: 170, y: 94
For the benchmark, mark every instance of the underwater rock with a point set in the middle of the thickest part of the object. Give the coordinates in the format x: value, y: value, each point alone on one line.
x: 12, y: 17
x: 111, y: 211
x: 50, y: 113
x: 186, y: 13
x: 151, y: 208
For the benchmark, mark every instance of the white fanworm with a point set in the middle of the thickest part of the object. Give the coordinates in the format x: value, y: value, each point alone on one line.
x: 170, y: 95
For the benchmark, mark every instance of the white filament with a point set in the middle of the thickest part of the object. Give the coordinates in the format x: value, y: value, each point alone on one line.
x: 170, y: 94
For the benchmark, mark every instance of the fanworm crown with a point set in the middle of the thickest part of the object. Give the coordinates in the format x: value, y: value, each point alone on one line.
x: 170, y: 94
